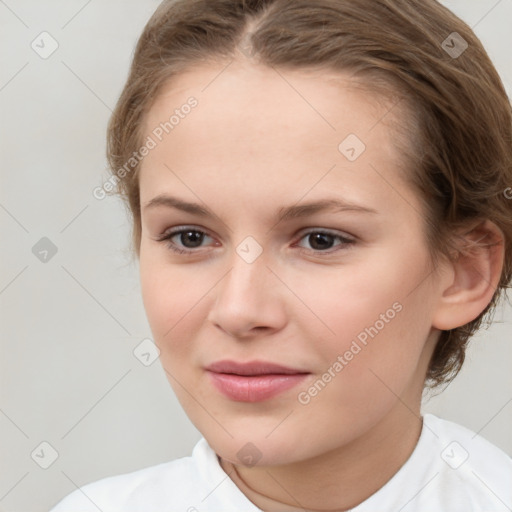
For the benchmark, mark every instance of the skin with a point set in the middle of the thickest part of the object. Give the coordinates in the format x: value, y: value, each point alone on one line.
x: 254, y: 145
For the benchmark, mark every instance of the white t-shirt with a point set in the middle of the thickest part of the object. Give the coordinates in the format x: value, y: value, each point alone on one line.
x: 451, y: 469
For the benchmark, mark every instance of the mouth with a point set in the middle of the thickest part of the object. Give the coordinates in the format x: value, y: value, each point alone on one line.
x: 253, y: 381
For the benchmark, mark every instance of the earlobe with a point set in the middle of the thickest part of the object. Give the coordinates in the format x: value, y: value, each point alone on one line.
x: 474, y: 276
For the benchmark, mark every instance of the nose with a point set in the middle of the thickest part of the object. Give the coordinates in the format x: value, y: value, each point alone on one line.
x: 248, y: 300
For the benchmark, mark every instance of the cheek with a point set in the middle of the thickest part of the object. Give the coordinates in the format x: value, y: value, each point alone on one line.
x: 174, y: 299
x: 350, y: 300
x: 379, y: 320
x: 360, y: 381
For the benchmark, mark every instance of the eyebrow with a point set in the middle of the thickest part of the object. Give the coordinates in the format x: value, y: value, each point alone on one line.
x: 285, y: 213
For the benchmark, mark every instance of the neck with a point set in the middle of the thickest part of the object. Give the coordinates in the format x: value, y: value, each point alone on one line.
x: 337, y: 480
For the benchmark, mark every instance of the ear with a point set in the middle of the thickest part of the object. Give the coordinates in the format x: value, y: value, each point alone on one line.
x: 474, y: 274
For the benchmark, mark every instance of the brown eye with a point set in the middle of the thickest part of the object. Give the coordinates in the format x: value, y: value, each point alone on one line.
x: 191, y: 239
x: 320, y: 241
x: 184, y: 240
x: 323, y: 241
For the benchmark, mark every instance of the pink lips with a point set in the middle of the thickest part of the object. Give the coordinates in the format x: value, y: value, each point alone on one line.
x: 253, y: 381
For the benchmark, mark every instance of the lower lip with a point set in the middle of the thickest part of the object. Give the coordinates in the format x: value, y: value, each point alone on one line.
x: 254, y: 388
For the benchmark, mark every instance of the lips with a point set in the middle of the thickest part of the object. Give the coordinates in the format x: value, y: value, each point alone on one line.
x: 253, y: 381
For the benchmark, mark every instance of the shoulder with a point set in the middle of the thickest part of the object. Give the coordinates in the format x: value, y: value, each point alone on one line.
x: 451, y: 469
x: 189, y: 484
x: 466, y: 447
x: 470, y: 466
x: 176, y: 482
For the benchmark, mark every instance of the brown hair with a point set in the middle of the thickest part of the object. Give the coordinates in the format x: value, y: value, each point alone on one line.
x: 460, y: 153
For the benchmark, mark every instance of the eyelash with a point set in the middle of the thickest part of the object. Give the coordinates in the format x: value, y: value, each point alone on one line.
x: 345, y: 241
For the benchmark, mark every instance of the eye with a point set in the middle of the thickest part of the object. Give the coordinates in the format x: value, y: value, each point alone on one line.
x: 185, y: 239
x: 190, y: 238
x: 323, y: 241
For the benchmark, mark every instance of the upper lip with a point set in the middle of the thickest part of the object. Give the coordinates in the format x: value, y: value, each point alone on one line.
x: 251, y: 368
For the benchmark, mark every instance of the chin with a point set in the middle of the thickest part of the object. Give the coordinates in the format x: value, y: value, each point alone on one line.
x: 258, y: 451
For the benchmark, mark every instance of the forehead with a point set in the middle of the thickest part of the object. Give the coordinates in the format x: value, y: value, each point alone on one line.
x: 256, y: 125
x: 260, y: 96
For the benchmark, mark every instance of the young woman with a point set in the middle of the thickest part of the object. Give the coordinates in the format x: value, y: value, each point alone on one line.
x: 322, y: 212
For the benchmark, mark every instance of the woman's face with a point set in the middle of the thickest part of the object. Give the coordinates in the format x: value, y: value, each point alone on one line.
x: 297, y: 313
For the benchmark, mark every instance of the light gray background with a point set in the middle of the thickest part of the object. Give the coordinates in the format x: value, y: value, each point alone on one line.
x: 69, y: 326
